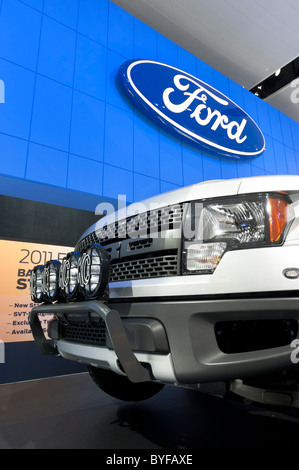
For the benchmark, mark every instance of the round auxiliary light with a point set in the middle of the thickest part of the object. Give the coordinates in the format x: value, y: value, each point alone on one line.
x: 36, y: 284
x: 68, y: 276
x: 50, y: 281
x: 94, y: 271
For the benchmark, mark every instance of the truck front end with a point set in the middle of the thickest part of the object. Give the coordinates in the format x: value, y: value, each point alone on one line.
x: 197, y: 285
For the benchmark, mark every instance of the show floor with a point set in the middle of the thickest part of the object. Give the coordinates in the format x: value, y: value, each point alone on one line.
x: 70, y: 412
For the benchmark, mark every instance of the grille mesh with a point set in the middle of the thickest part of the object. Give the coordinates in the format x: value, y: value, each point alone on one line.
x: 83, y: 332
x: 145, y: 268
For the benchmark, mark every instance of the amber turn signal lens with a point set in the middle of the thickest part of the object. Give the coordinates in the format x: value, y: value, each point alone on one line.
x: 277, y: 217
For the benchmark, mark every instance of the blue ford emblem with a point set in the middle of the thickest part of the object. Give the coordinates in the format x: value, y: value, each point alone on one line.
x: 190, y: 108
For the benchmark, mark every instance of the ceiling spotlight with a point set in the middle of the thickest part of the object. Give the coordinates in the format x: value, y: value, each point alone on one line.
x: 277, y: 72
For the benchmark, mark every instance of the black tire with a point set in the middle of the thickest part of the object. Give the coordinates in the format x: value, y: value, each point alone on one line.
x: 120, y: 387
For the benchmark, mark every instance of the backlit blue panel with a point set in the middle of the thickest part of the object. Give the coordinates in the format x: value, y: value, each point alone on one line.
x: 118, y: 182
x: 93, y: 20
x: 186, y: 61
x: 145, y: 187
x: 57, y: 57
x: 204, y: 72
x: 51, y: 114
x: 269, y: 157
x: 87, y: 126
x: 84, y: 173
x: 280, y: 158
x: 43, y: 164
x: 146, y: 147
x: 291, y: 160
x: 90, y: 70
x: 170, y: 159
x: 65, y: 11
x: 211, y: 168
x: 13, y: 155
x: 121, y: 31
x: 37, y: 4
x: 113, y: 94
x: 19, y: 33
x: 167, y: 51
x: 15, y: 113
x: 119, y: 138
x: 70, y: 135
x: 286, y: 130
x: 192, y: 166
x: 145, y: 41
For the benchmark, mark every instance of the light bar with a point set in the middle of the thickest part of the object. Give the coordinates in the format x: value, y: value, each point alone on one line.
x: 80, y: 276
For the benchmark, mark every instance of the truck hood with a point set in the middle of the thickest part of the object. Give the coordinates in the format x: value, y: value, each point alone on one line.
x: 199, y: 191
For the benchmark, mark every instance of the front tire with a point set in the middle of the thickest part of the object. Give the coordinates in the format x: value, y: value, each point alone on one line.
x: 120, y: 387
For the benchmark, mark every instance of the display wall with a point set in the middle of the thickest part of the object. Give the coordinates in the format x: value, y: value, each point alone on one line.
x: 70, y: 136
x: 66, y: 122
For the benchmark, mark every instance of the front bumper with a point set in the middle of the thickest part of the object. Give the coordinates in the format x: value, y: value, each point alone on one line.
x: 131, y: 366
x: 193, y: 354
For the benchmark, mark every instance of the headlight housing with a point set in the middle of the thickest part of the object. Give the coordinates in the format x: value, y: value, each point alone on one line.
x: 215, y: 226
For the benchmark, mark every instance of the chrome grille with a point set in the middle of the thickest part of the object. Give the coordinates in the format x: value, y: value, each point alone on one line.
x: 142, y: 256
x: 147, y: 223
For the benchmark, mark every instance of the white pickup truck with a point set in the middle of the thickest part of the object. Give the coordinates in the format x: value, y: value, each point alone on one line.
x: 190, y: 287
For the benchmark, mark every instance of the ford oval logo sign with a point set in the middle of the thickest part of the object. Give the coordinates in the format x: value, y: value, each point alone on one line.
x: 191, y: 108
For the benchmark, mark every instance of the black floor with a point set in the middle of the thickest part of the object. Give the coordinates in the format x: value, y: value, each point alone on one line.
x: 70, y: 412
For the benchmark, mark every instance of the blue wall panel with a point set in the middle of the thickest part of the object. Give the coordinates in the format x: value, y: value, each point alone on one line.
x: 87, y: 126
x: 67, y: 126
x: 91, y: 60
x: 57, y: 56
x: 93, y: 20
x: 65, y: 12
x: 51, y: 114
x: 47, y: 165
x: 20, y: 29
x: 15, y: 113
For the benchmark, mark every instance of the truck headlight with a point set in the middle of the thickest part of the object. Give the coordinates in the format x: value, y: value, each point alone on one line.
x: 213, y: 227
